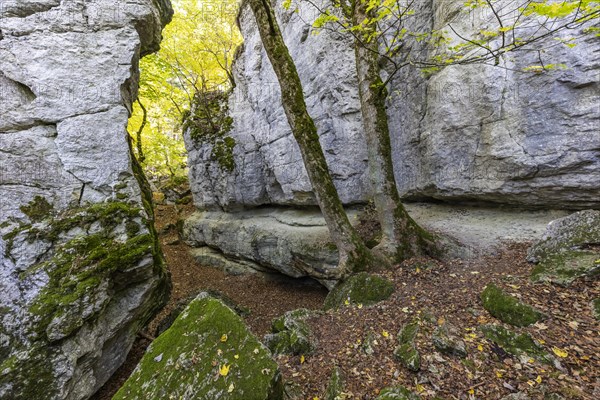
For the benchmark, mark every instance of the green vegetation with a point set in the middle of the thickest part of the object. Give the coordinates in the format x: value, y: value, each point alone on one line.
x: 195, y: 59
x: 361, y: 288
x: 563, y: 268
x: 516, y: 344
x: 38, y: 209
x: 596, y: 308
x: 291, y: 334
x: 397, y: 393
x: 335, y: 388
x: 507, y: 308
x: 208, y: 351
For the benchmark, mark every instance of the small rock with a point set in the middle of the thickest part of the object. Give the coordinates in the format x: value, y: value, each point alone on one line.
x: 507, y: 308
x: 335, y: 389
x: 407, y: 352
x: 446, y: 339
x: 361, y: 288
x: 517, y: 344
x: 516, y: 396
x: 397, y: 393
x: 291, y: 334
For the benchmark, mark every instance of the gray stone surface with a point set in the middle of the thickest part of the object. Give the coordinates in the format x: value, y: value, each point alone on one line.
x: 468, y: 133
x: 68, y: 75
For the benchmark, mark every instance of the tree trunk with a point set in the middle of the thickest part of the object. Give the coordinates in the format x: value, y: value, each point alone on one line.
x: 402, y: 238
x: 353, y: 253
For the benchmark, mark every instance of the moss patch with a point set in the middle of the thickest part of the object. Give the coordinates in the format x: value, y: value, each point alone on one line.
x: 596, y: 308
x: 361, y: 288
x: 507, y: 308
x: 335, y: 388
x: 397, y: 393
x: 446, y: 340
x: 208, y: 353
x: 407, y: 352
x: 516, y: 344
x: 291, y: 334
x: 565, y: 267
x: 38, y: 209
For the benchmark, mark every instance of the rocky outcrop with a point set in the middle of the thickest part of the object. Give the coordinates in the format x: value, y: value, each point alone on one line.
x: 466, y: 133
x: 80, y: 268
x: 208, y: 353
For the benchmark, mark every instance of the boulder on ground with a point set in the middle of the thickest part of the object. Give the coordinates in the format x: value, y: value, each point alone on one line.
x: 208, y: 353
x: 507, y: 308
x: 362, y: 288
x: 517, y: 344
x: 397, y: 393
x: 446, y: 339
x: 291, y: 334
x: 569, y: 249
x: 335, y: 388
x: 407, y: 352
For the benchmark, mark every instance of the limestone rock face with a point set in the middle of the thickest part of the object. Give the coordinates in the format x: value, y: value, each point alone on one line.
x: 468, y: 133
x: 80, y: 270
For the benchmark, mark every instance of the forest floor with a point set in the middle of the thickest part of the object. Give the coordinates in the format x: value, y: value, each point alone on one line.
x: 429, y: 291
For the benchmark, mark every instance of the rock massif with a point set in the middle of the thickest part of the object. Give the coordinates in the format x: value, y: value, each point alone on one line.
x: 477, y: 133
x: 468, y: 133
x: 80, y: 268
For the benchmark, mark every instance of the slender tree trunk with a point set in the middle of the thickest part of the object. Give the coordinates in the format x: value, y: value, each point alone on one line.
x: 353, y: 253
x: 138, y: 137
x: 402, y: 237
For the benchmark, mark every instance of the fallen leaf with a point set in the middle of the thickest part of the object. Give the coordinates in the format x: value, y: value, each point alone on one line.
x: 230, y: 388
x: 256, y: 351
x: 302, y: 359
x: 224, y: 338
x: 224, y: 370
x: 479, y: 347
x: 385, y: 334
x: 538, y: 379
x: 236, y: 356
x: 560, y: 352
x: 574, y: 325
x: 498, y: 374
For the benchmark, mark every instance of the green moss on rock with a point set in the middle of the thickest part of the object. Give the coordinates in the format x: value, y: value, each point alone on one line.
x: 362, y: 288
x: 567, y: 266
x: 507, y: 308
x: 446, y: 340
x: 291, y: 334
x: 335, y: 388
x: 397, y: 393
x: 38, y: 209
x: 208, y: 353
x: 407, y: 352
x: 516, y: 344
x: 596, y: 308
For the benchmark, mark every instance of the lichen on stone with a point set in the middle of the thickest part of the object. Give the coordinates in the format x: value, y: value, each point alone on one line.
x: 507, y: 308
x: 208, y: 352
x: 406, y: 351
x: 446, y: 340
x: 362, y: 288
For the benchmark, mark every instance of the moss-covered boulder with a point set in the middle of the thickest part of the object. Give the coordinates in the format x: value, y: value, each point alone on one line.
x: 397, y: 393
x: 335, y: 388
x: 291, y: 334
x: 517, y: 344
x: 407, y: 352
x: 507, y: 308
x: 568, y: 250
x: 446, y: 340
x: 362, y: 288
x: 208, y: 353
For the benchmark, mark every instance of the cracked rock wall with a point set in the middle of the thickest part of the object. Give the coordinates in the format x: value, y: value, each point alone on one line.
x: 68, y: 76
x: 468, y: 133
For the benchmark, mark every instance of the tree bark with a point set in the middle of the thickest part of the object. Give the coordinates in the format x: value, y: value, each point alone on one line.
x: 402, y: 237
x: 353, y: 253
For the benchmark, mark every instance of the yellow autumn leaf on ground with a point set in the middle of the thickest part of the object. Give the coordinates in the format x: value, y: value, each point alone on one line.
x: 224, y: 338
x: 418, y: 270
x: 385, y: 334
x: 420, y: 388
x: 479, y: 347
x: 302, y: 359
x: 498, y: 374
x: 231, y: 388
x: 224, y: 370
x: 236, y: 356
x: 538, y: 379
x: 471, y: 391
x: 360, y: 306
x: 560, y: 352
x: 347, y: 302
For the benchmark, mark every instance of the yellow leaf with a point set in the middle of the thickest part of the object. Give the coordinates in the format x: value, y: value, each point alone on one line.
x: 441, y: 321
x: 531, y: 383
x: 224, y: 370
x: 418, y: 270
x: 230, y: 389
x: 479, y: 347
x: 498, y: 374
x: 360, y: 306
x: 385, y: 334
x: 471, y: 391
x: 542, y: 341
x: 302, y: 359
x: 236, y: 356
x: 347, y: 302
x: 224, y: 338
x: 538, y: 379
x: 559, y: 352
x: 420, y: 388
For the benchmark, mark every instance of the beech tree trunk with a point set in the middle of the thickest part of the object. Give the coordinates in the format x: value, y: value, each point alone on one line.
x: 402, y: 237
x: 353, y: 253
